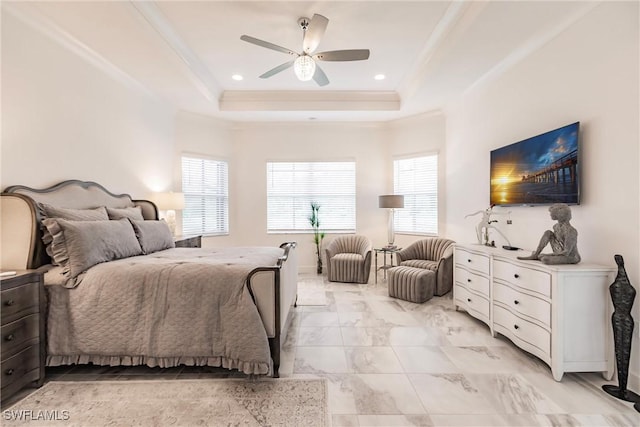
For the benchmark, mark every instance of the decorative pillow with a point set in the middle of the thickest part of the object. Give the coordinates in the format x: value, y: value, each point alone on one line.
x: 79, y: 245
x: 153, y: 236
x: 127, y: 213
x: 95, y: 214
x: 48, y: 211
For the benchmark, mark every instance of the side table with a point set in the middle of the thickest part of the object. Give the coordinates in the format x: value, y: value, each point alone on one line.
x: 385, y: 250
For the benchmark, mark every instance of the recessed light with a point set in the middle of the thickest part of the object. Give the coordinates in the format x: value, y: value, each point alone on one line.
x: 237, y: 77
x: 379, y: 77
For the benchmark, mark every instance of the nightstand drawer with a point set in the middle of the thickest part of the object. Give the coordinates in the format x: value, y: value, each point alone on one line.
x: 18, y: 334
x: 21, y: 299
x: 26, y: 363
x: 189, y: 242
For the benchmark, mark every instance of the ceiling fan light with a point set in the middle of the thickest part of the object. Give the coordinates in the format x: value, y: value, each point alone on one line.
x: 305, y: 67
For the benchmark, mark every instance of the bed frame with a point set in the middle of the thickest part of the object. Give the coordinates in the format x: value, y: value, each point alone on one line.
x: 273, y: 288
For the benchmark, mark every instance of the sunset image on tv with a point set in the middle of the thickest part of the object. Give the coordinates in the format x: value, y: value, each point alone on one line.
x: 538, y: 170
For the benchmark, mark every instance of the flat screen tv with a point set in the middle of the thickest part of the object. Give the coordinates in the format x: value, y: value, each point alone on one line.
x: 541, y: 170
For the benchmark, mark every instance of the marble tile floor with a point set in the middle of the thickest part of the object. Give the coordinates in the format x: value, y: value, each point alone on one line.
x: 394, y: 363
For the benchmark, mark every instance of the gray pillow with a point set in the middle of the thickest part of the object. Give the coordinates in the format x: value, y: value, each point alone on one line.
x: 48, y: 211
x: 79, y: 245
x: 153, y: 235
x: 95, y: 214
x: 127, y: 213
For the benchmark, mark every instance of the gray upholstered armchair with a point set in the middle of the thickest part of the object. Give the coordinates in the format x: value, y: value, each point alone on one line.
x: 435, y: 254
x: 348, y: 259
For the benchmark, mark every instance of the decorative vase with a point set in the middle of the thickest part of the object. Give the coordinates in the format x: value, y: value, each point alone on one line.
x: 622, y: 296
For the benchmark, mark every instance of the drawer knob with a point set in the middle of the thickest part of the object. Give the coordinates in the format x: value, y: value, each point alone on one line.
x: 9, y: 372
x: 516, y: 302
x: 468, y: 260
x: 516, y: 276
x: 9, y: 337
x: 516, y: 327
x: 9, y: 303
x: 469, y: 280
x: 469, y: 299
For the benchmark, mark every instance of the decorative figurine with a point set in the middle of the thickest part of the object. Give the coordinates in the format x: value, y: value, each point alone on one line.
x: 622, y: 296
x: 563, y: 239
x: 485, y: 224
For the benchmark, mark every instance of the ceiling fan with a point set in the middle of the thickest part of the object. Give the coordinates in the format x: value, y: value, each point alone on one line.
x: 304, y: 65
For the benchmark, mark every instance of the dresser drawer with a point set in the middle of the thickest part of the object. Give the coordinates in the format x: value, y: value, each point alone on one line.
x: 20, y: 333
x: 472, y: 281
x: 22, y: 299
x: 474, y: 304
x: 480, y: 263
x: 516, y: 327
x: 533, y: 280
x: 25, y: 363
x: 521, y: 303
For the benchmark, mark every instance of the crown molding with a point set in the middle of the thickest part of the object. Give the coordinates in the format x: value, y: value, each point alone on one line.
x: 309, y: 101
x: 529, y: 47
x: 198, y: 71
x: 28, y: 15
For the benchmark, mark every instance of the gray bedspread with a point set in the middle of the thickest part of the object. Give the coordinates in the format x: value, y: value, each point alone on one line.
x: 177, y: 306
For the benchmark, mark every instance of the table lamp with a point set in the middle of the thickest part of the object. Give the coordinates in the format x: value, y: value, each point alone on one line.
x: 391, y: 202
x: 169, y: 202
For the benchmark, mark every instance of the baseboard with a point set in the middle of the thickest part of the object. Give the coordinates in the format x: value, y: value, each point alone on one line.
x: 307, y: 269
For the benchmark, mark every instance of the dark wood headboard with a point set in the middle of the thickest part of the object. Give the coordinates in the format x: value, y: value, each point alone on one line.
x: 20, y: 218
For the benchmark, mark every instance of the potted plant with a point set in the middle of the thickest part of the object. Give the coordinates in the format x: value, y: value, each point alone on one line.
x: 314, y: 220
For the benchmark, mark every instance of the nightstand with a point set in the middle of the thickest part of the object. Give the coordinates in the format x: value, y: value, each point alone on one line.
x: 188, y: 241
x: 23, y: 331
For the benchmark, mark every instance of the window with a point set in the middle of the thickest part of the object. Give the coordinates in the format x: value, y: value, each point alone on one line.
x: 206, y: 195
x: 292, y: 186
x: 417, y: 179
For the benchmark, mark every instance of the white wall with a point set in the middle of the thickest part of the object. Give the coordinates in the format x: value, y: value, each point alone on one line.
x: 589, y: 73
x: 205, y: 136
x: 63, y: 118
x: 257, y: 143
x: 421, y: 134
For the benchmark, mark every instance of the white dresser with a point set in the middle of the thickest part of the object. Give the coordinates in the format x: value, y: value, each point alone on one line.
x: 560, y: 313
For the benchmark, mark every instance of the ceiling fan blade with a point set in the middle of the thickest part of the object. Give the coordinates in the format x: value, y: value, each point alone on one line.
x: 320, y: 77
x: 313, y: 34
x: 277, y: 69
x: 267, y: 45
x: 343, y: 55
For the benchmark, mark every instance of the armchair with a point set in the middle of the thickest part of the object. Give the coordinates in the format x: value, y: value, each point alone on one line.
x: 348, y: 259
x: 435, y: 254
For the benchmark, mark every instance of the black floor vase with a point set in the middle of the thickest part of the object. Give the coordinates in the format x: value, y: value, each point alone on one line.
x: 622, y: 296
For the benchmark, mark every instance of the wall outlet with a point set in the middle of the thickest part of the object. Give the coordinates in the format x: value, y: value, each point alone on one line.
x: 509, y: 222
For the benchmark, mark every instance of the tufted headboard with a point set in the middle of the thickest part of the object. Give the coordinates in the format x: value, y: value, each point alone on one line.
x: 21, y: 244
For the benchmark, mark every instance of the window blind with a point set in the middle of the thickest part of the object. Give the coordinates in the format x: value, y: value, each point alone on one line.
x: 206, y: 195
x: 292, y: 186
x: 417, y: 179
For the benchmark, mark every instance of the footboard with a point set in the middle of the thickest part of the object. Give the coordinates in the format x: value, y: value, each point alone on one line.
x: 274, y: 291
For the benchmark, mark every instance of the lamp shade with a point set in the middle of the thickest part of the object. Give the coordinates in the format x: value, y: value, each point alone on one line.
x: 169, y: 201
x: 391, y: 201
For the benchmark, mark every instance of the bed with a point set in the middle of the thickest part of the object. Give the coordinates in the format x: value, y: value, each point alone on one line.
x: 117, y: 300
